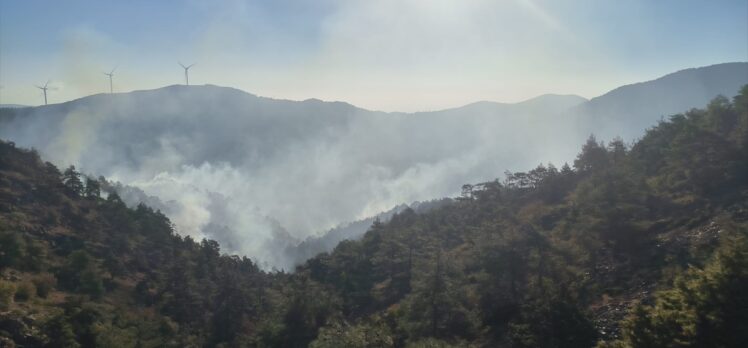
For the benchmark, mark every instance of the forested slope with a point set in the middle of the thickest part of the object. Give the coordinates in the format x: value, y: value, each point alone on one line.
x: 631, y: 246
x: 556, y: 258
x: 238, y: 168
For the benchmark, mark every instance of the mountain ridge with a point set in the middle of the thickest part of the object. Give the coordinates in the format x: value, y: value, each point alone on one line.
x: 618, y: 90
x: 612, y: 113
x: 585, y: 256
x: 697, y: 70
x: 219, y: 152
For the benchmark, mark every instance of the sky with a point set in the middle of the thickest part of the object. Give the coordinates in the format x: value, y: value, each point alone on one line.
x: 411, y: 55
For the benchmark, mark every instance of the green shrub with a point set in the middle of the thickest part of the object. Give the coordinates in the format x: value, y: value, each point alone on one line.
x: 12, y: 249
x: 81, y: 274
x: 36, y: 256
x: 25, y: 291
x: 60, y: 332
x: 91, y: 284
x: 44, y: 283
x: 7, y: 290
x: 113, y: 336
x: 375, y: 334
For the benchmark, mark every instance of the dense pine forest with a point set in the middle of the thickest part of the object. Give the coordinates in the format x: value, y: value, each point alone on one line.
x: 631, y: 245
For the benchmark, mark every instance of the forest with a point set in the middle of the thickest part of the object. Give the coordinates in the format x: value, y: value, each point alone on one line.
x: 631, y: 245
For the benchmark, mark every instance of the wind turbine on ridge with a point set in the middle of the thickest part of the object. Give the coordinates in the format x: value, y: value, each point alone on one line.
x: 186, y: 72
x: 111, y: 74
x: 44, y: 89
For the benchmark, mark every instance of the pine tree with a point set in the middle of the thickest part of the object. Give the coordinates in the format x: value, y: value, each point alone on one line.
x: 72, y: 180
x: 593, y: 157
x: 93, y: 188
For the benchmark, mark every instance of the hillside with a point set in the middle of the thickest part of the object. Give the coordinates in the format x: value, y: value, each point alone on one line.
x: 559, y: 257
x: 213, y: 154
x: 626, y: 245
x: 299, y: 252
x: 627, y: 110
x: 79, y: 270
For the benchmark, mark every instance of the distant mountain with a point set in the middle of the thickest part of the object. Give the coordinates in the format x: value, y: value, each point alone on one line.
x: 629, y: 246
x: 542, y: 103
x: 249, y: 169
x: 629, y: 109
x: 13, y: 106
x: 233, y: 166
x: 132, y: 124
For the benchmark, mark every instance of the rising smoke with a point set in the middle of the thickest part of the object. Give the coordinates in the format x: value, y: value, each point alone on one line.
x: 251, y: 172
x: 259, y: 175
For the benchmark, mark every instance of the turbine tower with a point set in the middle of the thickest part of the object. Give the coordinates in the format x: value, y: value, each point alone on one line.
x: 186, y: 71
x: 44, y: 89
x: 111, y: 74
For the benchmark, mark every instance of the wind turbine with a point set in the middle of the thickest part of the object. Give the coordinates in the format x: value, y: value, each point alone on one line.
x: 111, y: 74
x: 186, y: 70
x: 44, y: 89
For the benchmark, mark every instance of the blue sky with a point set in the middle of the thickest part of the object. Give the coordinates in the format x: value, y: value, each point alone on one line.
x: 388, y: 55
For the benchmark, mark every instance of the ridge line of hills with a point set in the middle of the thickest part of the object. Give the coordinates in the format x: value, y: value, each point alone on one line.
x: 613, y: 91
x: 213, y: 153
x: 619, y: 250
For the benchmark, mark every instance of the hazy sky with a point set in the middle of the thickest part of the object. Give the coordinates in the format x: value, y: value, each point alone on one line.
x: 385, y: 55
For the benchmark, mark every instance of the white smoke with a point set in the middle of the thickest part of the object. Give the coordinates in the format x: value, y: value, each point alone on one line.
x: 259, y: 174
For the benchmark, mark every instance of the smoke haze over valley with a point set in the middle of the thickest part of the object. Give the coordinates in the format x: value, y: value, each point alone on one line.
x: 260, y: 175
x: 389, y: 173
